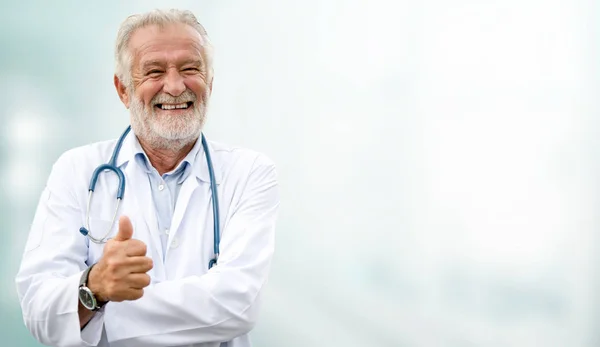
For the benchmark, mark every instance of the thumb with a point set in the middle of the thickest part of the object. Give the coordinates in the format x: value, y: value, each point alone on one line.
x: 125, y: 229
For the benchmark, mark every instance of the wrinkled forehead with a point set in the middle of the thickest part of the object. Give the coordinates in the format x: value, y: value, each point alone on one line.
x: 169, y: 44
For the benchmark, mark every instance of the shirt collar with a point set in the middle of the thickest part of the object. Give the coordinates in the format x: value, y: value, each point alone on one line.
x: 195, y: 159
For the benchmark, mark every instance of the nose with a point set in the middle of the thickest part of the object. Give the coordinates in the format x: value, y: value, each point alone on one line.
x: 173, y: 83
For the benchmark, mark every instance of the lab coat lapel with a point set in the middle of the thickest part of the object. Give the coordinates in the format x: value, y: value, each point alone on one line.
x: 190, y: 185
x: 183, y: 201
x: 137, y: 180
x: 200, y: 172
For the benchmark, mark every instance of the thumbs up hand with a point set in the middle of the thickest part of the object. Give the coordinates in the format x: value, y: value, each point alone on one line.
x: 125, y: 229
x: 120, y: 274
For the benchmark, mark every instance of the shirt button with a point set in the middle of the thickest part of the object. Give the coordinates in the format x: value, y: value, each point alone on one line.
x: 167, y: 231
x: 175, y: 243
x: 161, y: 187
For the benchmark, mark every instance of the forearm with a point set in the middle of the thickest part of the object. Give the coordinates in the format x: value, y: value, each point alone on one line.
x: 85, y: 315
x: 186, y: 311
x: 217, y: 306
x: 51, y: 313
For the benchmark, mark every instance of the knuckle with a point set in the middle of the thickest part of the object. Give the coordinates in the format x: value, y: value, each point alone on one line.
x: 150, y: 263
x: 110, y: 267
x: 143, y: 247
x: 113, y: 263
x: 111, y: 247
x: 138, y: 247
x: 136, y: 294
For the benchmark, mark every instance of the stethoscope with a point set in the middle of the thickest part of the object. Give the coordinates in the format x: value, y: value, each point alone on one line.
x: 112, y: 166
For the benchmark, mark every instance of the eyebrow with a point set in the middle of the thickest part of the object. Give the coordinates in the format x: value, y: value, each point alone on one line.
x: 193, y: 62
x: 151, y: 63
x: 154, y: 63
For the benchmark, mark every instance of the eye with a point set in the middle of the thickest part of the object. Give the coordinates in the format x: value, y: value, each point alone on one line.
x: 191, y: 69
x: 153, y: 72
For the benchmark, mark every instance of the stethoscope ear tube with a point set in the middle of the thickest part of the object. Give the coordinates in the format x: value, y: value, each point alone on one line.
x: 215, y: 203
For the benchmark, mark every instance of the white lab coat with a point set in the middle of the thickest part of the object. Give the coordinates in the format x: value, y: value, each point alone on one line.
x: 185, y: 304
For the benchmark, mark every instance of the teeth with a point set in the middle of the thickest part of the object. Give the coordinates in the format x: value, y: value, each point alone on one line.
x: 172, y: 107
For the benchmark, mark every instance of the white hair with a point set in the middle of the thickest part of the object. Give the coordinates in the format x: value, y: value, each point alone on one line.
x: 123, y: 57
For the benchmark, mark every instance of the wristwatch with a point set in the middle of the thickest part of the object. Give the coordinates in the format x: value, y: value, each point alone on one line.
x: 86, y: 297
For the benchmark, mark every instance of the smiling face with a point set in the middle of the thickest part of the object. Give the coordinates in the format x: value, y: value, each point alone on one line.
x: 169, y: 90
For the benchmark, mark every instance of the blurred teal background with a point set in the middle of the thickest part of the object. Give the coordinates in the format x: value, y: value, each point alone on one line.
x: 438, y: 159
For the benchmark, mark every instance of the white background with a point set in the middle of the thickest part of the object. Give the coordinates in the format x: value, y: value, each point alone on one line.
x: 438, y: 159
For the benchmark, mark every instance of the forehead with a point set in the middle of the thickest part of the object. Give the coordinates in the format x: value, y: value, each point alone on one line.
x: 169, y: 44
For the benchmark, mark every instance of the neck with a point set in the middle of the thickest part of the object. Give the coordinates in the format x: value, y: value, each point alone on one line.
x: 165, y: 160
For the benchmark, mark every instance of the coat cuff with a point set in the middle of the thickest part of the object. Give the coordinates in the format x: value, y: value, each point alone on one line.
x: 92, y: 332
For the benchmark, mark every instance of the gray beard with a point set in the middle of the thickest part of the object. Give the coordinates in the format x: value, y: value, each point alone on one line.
x: 163, y: 133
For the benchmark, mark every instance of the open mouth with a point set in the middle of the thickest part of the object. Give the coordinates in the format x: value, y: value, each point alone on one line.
x: 181, y: 106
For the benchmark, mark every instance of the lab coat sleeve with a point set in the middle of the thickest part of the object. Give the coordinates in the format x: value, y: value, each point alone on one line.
x: 223, y: 303
x: 54, y: 258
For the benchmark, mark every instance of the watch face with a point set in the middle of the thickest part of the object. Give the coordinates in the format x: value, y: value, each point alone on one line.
x: 87, y: 298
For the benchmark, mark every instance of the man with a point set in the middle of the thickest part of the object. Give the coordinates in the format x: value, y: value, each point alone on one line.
x: 150, y: 283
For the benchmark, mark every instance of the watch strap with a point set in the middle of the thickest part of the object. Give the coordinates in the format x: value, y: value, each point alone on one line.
x: 85, y: 275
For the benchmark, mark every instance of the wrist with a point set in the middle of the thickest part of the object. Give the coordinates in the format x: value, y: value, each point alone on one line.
x: 95, y: 284
x: 89, y: 296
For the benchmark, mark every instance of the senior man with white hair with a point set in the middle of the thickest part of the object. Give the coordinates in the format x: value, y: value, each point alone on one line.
x: 160, y: 237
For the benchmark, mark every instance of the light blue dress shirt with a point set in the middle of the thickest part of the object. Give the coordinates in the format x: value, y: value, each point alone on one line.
x: 165, y: 189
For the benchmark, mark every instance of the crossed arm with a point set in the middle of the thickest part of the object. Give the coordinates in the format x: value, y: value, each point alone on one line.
x: 215, y: 307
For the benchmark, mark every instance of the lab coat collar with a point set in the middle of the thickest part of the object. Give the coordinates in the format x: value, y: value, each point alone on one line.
x: 199, y: 168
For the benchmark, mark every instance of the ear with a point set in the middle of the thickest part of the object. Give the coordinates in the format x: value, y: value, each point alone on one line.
x: 121, y: 91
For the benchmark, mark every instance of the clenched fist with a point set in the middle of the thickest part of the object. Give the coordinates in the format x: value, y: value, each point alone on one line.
x: 120, y: 274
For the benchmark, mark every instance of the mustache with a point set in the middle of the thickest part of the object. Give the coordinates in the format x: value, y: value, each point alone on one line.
x: 162, y: 98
